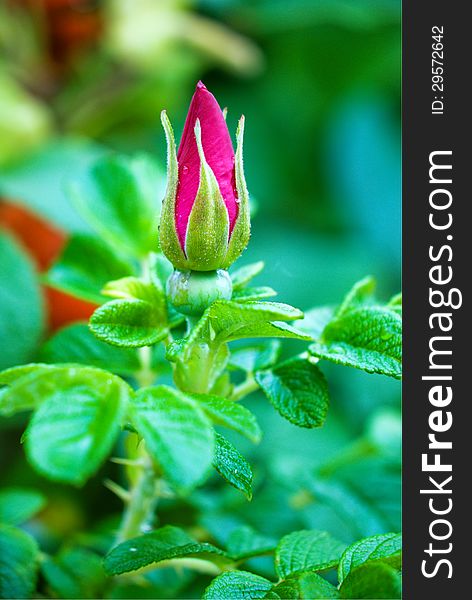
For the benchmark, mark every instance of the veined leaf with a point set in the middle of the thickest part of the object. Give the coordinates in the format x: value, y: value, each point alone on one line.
x: 84, y: 267
x: 129, y: 288
x: 232, y: 466
x: 120, y: 200
x: 308, y: 550
x: 18, y: 563
x: 367, y: 338
x: 129, y: 323
x: 378, y: 581
x: 386, y: 547
x: 77, y: 344
x: 242, y: 276
x: 166, y: 543
x: 237, y: 585
x: 77, y: 422
x: 298, y: 390
x: 305, y: 586
x: 178, y: 434
x: 20, y: 396
x: 230, y: 414
x: 18, y: 505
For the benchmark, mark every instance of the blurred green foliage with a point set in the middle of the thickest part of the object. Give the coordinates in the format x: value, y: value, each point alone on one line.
x: 319, y: 84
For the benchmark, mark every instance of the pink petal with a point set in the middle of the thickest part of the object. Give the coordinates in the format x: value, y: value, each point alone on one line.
x: 219, y: 154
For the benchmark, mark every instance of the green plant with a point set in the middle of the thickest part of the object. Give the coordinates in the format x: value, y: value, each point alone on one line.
x: 156, y: 389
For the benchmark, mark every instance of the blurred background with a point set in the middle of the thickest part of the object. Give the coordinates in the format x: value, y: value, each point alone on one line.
x: 319, y: 83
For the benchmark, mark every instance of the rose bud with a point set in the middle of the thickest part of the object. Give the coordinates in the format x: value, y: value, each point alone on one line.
x: 205, y: 214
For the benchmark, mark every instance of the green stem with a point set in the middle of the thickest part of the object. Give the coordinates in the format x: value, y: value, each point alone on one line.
x: 245, y: 388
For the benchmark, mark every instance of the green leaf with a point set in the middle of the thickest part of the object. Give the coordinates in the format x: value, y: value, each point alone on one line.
x: 129, y: 288
x: 21, y: 315
x: 315, y: 320
x: 85, y: 266
x: 374, y: 581
x: 230, y: 414
x: 305, y: 586
x: 307, y: 551
x: 253, y: 293
x: 18, y: 505
x: 176, y: 432
x: 298, y: 390
x: 225, y: 321
x: 128, y: 323
x: 242, y: 276
x: 37, y: 182
x: 232, y: 466
x: 395, y: 303
x: 386, y: 547
x: 244, y: 542
x: 74, y: 573
x: 237, y: 585
x: 76, y: 425
x: 360, y: 294
x: 76, y: 344
x: 369, y: 339
x: 166, y: 543
x: 121, y: 200
x: 348, y: 504
x: 18, y: 563
x: 18, y: 396
x: 255, y: 357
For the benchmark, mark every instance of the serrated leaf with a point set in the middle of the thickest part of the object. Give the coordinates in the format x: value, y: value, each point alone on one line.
x: 120, y: 199
x: 244, y: 542
x: 305, y: 586
x: 18, y: 563
x: 18, y: 505
x: 386, y: 547
x: 77, y: 422
x: 166, y: 543
x: 377, y: 581
x: 224, y: 320
x: 308, y: 550
x: 77, y: 344
x: 298, y: 390
x: 74, y: 573
x: 230, y: 414
x: 255, y: 357
x: 243, y: 275
x: 232, y: 466
x: 84, y: 267
x: 237, y: 585
x: 369, y: 339
x: 361, y: 292
x: 128, y: 323
x: 253, y: 293
x: 176, y: 431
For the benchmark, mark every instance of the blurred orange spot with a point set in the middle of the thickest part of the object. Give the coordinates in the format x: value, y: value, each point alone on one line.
x: 44, y: 243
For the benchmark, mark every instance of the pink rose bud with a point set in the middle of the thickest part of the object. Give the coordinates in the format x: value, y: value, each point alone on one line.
x: 205, y: 214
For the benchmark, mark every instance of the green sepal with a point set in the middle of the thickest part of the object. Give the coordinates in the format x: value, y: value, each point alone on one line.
x: 168, y: 237
x: 242, y: 228
x: 206, y: 242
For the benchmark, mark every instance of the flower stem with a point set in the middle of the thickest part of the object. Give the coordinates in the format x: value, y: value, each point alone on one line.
x: 139, y: 512
x: 245, y: 388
